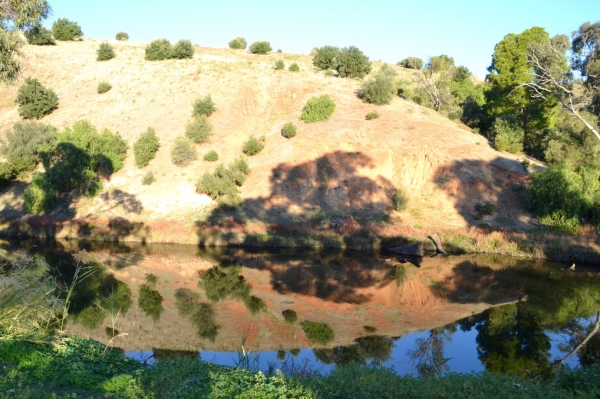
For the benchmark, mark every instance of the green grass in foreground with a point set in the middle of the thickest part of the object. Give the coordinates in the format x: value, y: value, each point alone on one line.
x: 74, y: 368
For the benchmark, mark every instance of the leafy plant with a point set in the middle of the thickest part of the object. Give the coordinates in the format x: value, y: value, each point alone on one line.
x: 35, y: 100
x: 148, y: 178
x: 221, y: 283
x: 294, y: 67
x: 508, y: 136
x: 103, y: 87
x: 105, y: 52
x: 318, y: 109
x: 289, y: 130
x: 204, y: 106
x: 24, y: 142
x: 204, y: 319
x: 158, y: 50
x: 399, y: 201
x: 260, y: 47
x: 289, y: 316
x: 253, y: 146
x: 238, y: 43
x: 326, y: 57
x: 379, y: 90
x: 222, y: 185
x: 65, y: 30
x: 352, y: 63
x: 122, y: 36
x: 185, y: 301
x: 39, y: 36
x: 320, y: 333
x: 183, y: 151
x: 182, y: 49
x: 412, y: 63
x: 211, y: 156
x: 145, y: 148
x: 150, y: 301
x: 255, y: 304
x: 198, y: 129
x: 279, y: 64
x: 372, y: 115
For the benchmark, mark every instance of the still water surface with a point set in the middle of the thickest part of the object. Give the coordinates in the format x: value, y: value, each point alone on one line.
x: 432, y: 315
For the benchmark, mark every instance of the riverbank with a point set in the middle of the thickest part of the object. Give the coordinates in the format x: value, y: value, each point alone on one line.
x: 60, y: 367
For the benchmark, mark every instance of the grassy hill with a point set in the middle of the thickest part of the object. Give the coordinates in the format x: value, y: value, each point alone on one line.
x: 334, y: 179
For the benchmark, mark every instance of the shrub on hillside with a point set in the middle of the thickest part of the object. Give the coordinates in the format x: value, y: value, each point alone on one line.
x: 105, y: 52
x: 64, y: 30
x: 289, y: 130
x: 182, y: 49
x: 183, y: 151
x: 39, y: 36
x: 399, y: 201
x: 158, y: 50
x: 379, y: 90
x: 326, y: 57
x: 211, y: 156
x: 122, y: 36
x: 318, y: 109
x: 222, y: 185
x: 145, y: 148
x: 198, y: 129
x: 35, y: 100
x: 148, y: 178
x: 353, y: 63
x: 319, y: 333
x: 412, y: 63
x: 279, y: 64
x: 290, y: 316
x: 238, y: 43
x: 38, y: 197
x: 103, y: 87
x: 25, y: 142
x: 372, y: 115
x: 294, y: 67
x: 204, y: 106
x: 508, y: 136
x: 253, y: 146
x: 260, y: 47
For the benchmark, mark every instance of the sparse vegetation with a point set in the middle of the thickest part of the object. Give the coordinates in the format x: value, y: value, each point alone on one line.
x: 294, y: 67
x: 318, y: 109
x: 183, y: 151
x: 198, y: 129
x: 319, y: 333
x: 399, y: 201
x: 145, y: 148
x: 289, y: 130
x: 253, y: 146
x: 64, y: 30
x: 35, y: 100
x: 211, y: 156
x: 122, y: 36
x: 412, y: 63
x: 39, y: 36
x: 279, y: 64
x: 103, y: 87
x: 105, y: 52
x: 185, y: 301
x: 222, y: 185
x: 148, y: 178
x: 158, y: 50
x: 260, y: 47
x: 372, y: 115
x: 238, y: 43
x: 182, y: 49
x: 204, y: 106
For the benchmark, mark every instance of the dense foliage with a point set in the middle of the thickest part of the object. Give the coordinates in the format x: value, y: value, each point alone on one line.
x: 182, y: 49
x: 103, y: 87
x: 318, y: 109
x: 183, y: 151
x: 145, y: 148
x: 372, y: 115
x: 158, y: 50
x: 105, y: 52
x: 289, y: 130
x: 198, y: 129
x: 253, y: 146
x: 24, y: 142
x: 260, y: 47
x: 412, y: 63
x: 211, y: 156
x: 320, y: 333
x: 381, y: 88
x: 352, y: 63
x: 222, y: 185
x: 238, y: 43
x: 507, y: 135
x: 326, y: 57
x: 39, y: 36
x: 294, y: 67
x: 35, y: 100
x: 204, y: 106
x: 122, y: 36
x: 64, y: 30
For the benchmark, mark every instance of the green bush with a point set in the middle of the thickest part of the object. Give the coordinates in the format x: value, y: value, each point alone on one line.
x: 158, y: 50
x: 289, y: 316
x: 64, y: 30
x: 238, y: 43
x: 399, y: 201
x: 122, y: 36
x: 326, y: 57
x: 25, y: 142
x: 319, y: 333
x: 372, y: 115
x: 35, y: 100
x: 185, y: 301
x: 150, y: 301
x: 379, y: 90
x: 253, y: 146
x: 255, y: 304
x: 289, y: 130
x: 103, y: 87
x: 105, y: 52
x: 221, y: 283
x: 211, y: 156
x: 318, y: 109
x: 222, y: 185
x: 182, y: 49
x: 279, y: 64
x: 148, y: 178
x: 204, y: 318
x: 508, y: 136
x: 39, y: 196
x: 294, y: 67
x: 352, y: 63
x: 204, y: 106
x: 39, y: 36
x: 260, y: 47
x: 412, y: 63
x: 198, y: 129
x: 145, y: 148
x: 183, y: 151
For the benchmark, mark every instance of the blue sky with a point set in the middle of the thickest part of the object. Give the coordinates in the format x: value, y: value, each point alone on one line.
x: 384, y: 30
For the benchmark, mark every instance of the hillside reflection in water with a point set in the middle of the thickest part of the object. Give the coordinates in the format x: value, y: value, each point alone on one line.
x: 455, y: 313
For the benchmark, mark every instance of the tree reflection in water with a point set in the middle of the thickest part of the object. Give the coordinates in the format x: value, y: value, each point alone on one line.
x: 374, y: 348
x: 428, y: 353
